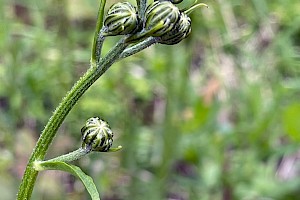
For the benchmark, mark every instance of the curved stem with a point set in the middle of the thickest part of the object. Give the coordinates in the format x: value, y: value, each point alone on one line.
x: 99, y: 44
x: 77, y: 154
x: 74, y: 155
x: 138, y: 47
x: 47, y: 135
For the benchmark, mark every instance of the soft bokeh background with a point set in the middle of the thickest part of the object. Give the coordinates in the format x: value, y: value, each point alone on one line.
x: 216, y: 117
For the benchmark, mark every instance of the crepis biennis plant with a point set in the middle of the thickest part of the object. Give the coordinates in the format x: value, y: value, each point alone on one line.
x: 141, y: 26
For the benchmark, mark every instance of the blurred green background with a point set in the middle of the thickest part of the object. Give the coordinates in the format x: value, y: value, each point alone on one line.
x: 216, y: 117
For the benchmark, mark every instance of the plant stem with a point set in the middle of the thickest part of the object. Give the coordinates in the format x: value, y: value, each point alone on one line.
x: 49, y: 132
x: 142, y: 5
x: 77, y: 154
x: 74, y: 155
x: 138, y: 47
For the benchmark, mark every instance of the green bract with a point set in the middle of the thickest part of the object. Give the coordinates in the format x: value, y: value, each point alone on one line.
x: 172, y: 1
x: 160, y: 17
x: 176, y: 1
x: 96, y: 135
x: 121, y: 19
x: 180, y: 31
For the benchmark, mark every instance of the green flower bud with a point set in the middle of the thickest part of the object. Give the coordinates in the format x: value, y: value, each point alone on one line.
x: 121, y: 19
x: 180, y: 31
x: 176, y: 1
x: 96, y: 135
x: 160, y: 17
x: 173, y: 1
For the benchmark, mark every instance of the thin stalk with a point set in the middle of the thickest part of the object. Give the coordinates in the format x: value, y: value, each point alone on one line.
x: 138, y: 47
x: 77, y: 154
x: 98, y: 39
x: 142, y: 5
x: 99, y: 44
x: 74, y: 155
x: 48, y: 134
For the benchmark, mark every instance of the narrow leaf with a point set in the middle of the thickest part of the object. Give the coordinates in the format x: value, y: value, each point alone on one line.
x: 99, y: 25
x: 72, y: 169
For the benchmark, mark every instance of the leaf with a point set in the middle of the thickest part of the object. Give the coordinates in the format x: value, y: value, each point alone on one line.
x: 291, y: 120
x: 72, y: 169
x: 99, y: 25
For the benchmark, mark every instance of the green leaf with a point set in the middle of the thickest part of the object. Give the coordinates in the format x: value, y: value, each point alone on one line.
x: 291, y: 120
x: 99, y: 25
x: 72, y: 169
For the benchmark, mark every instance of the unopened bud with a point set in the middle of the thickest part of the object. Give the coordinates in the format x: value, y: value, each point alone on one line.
x: 160, y: 17
x: 180, y: 31
x: 121, y: 19
x: 96, y: 135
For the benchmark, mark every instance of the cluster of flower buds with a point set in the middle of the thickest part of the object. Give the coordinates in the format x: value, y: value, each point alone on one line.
x: 162, y: 20
x: 96, y: 135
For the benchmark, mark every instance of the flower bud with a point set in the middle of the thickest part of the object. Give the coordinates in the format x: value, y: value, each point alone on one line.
x: 176, y: 1
x: 160, y: 18
x: 180, y: 31
x: 172, y: 1
x: 96, y: 135
x: 121, y: 19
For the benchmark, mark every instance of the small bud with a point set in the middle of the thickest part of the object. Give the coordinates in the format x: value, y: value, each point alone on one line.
x: 160, y: 18
x: 96, y: 135
x: 176, y: 1
x: 172, y: 1
x: 180, y: 31
x: 121, y: 19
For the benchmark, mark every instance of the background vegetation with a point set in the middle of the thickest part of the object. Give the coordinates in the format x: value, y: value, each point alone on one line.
x: 214, y: 117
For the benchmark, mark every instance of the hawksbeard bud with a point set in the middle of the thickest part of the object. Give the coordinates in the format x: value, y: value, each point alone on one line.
x: 176, y: 1
x: 160, y: 17
x: 96, y: 135
x: 181, y: 30
x: 121, y: 19
x: 173, y: 1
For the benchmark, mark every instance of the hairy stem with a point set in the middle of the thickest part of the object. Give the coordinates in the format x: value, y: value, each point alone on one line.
x: 139, y: 47
x: 74, y: 155
x: 48, y: 134
x: 142, y: 5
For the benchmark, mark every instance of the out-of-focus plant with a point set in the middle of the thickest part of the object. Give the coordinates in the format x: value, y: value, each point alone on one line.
x: 141, y: 26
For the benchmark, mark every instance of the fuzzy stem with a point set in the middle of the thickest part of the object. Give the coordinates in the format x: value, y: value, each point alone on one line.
x: 138, y: 47
x: 77, y: 154
x: 74, y: 155
x: 47, y: 135
x: 142, y: 5
x: 99, y: 44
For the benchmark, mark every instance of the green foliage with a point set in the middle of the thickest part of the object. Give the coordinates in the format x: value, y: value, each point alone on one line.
x: 72, y: 169
x: 214, y: 117
x: 291, y: 121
